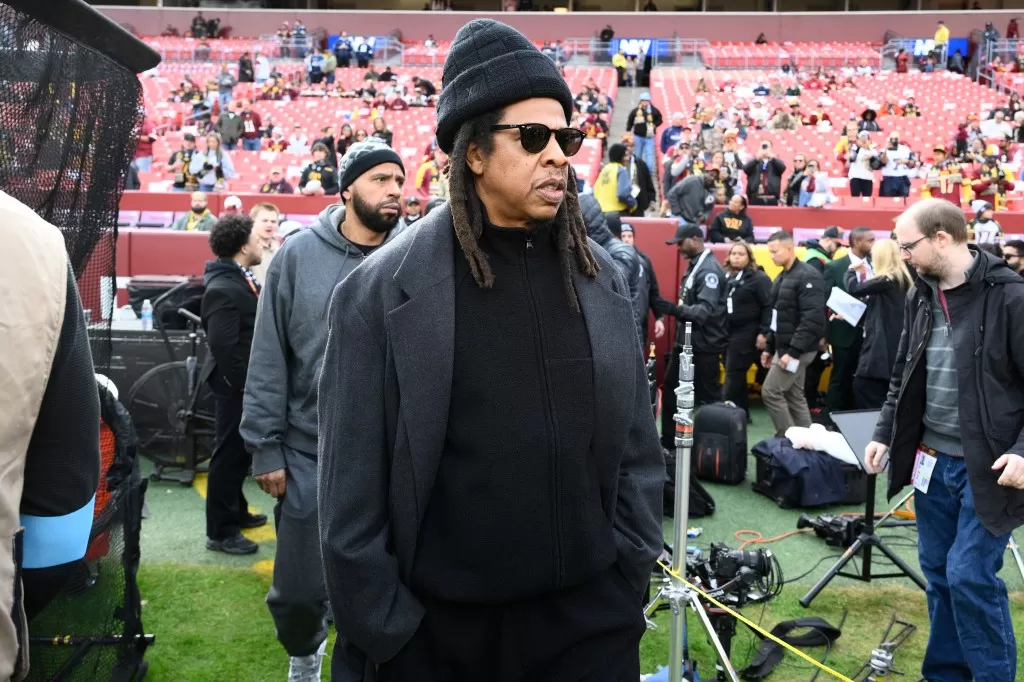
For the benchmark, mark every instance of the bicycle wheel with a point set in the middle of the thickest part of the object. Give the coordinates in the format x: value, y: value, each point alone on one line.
x: 157, y: 403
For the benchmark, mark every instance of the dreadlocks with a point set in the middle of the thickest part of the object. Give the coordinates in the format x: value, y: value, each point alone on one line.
x: 467, y: 213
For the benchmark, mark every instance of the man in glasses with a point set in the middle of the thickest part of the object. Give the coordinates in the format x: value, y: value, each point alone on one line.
x: 1013, y: 253
x: 952, y: 427
x: 490, y: 475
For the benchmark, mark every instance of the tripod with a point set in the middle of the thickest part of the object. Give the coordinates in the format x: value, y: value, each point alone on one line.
x: 676, y: 592
x: 867, y: 540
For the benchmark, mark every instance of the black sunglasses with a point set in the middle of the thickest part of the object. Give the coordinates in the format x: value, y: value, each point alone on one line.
x: 535, y: 137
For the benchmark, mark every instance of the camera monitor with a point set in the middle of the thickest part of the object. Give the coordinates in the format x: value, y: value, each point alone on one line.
x: 857, y: 427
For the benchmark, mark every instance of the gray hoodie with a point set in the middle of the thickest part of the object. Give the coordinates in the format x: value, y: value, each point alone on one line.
x: 290, y: 337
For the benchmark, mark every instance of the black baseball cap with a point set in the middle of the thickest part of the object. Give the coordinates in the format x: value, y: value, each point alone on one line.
x: 685, y: 231
x: 834, y: 233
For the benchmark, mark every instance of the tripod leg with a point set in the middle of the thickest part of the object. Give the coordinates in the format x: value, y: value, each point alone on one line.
x: 851, y: 551
x: 1015, y: 548
x: 723, y: 655
x: 901, y: 564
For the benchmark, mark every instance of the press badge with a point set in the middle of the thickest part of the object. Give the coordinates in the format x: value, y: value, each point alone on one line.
x: 775, y: 320
x: 728, y: 305
x: 924, y: 464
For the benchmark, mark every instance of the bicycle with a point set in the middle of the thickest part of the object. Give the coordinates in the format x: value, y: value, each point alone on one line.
x: 171, y: 408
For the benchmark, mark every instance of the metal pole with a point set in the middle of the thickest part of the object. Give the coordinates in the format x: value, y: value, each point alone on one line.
x: 684, y: 444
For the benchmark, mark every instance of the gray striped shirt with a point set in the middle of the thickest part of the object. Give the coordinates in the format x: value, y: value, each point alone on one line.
x: 941, y: 409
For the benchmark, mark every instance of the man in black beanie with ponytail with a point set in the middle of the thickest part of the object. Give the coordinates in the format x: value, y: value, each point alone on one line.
x: 490, y: 478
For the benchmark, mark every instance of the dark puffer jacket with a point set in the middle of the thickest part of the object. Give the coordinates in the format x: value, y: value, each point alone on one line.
x: 798, y: 299
x: 625, y: 256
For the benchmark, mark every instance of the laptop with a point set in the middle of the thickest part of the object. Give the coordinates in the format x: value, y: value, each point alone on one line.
x: 857, y: 427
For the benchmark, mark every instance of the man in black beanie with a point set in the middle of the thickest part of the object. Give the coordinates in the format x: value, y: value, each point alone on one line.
x: 490, y: 475
x: 279, y: 418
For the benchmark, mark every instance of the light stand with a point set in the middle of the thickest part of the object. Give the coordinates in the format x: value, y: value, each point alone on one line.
x: 1015, y: 548
x: 675, y: 591
x: 867, y: 540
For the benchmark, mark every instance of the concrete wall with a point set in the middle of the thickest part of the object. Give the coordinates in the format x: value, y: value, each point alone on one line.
x: 858, y: 26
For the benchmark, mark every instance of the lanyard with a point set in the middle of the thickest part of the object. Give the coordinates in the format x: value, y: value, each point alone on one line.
x: 693, y: 273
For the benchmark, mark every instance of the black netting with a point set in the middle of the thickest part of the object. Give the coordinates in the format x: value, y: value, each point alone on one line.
x: 92, y: 629
x: 69, y: 123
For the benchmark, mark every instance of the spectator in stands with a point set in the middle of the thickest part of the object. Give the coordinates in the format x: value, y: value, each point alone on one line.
x: 613, y: 189
x: 748, y: 311
x: 225, y: 86
x: 251, y: 124
x: 298, y: 143
x: 815, y: 189
x: 643, y: 122
x: 1012, y: 29
x: 896, y: 161
x: 387, y: 75
x: 198, y: 28
x: 413, y: 210
x: 764, y: 177
x: 733, y: 224
x: 869, y: 122
x: 429, y: 181
x: 360, y: 135
x: 330, y: 66
x: 212, y: 167
x: 792, y: 193
x: 261, y: 68
x: 983, y: 228
x: 640, y: 178
x: 784, y: 120
x: 232, y: 206
x: 327, y: 139
x: 692, y: 198
x: 199, y: 219
x: 672, y: 135
x: 230, y: 296
x: 179, y: 165
x: 798, y: 324
x: 316, y: 67
x: 279, y: 419
x: 371, y: 75
x: 276, y: 184
x: 381, y: 132
x: 246, y: 73
x: 996, y: 127
x: 910, y: 108
x: 266, y: 220
x: 956, y: 62
x: 144, y: 150
x: 902, y: 61
x: 344, y: 140
x: 319, y: 177
x: 863, y: 161
x: 230, y: 126
x: 941, y: 34
x: 364, y: 53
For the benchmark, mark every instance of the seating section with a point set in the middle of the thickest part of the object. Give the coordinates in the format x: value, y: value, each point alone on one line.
x: 804, y: 55
x: 942, y: 97
x: 413, y: 128
x: 220, y: 50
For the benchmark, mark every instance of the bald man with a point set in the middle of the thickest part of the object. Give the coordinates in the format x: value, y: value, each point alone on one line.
x: 199, y: 219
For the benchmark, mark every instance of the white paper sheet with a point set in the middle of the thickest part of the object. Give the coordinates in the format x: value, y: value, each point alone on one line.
x: 849, y: 307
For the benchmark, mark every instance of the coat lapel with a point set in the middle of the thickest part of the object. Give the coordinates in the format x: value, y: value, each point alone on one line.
x: 422, y: 334
x: 615, y: 347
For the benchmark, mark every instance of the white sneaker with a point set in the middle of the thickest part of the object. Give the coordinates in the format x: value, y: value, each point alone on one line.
x: 307, y: 668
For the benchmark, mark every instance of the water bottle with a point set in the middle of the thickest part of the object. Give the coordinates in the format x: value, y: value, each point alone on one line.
x: 147, y: 316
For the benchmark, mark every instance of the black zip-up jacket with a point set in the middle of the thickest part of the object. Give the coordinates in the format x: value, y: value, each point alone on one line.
x: 989, y: 347
x: 625, y: 256
x: 751, y: 292
x: 229, y: 317
x: 753, y: 170
x: 325, y: 173
x: 798, y: 298
x: 882, y: 322
x: 703, y: 304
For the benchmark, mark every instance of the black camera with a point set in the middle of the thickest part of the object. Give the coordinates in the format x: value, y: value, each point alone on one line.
x: 729, y: 562
x: 737, y: 577
x: 836, y: 531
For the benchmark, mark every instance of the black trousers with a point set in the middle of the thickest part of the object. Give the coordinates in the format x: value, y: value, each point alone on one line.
x: 226, y: 506
x: 737, y: 364
x: 869, y: 394
x: 861, y: 188
x: 840, y: 381
x: 707, y: 388
x: 588, y: 632
x: 812, y: 379
x: 764, y: 201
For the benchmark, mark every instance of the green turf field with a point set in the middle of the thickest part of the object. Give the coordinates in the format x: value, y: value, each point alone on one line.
x: 210, y: 622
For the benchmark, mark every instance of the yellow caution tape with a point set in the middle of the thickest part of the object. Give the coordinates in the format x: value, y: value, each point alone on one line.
x: 749, y: 623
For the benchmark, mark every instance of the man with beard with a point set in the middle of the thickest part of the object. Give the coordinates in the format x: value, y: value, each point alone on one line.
x: 1013, y: 254
x: 280, y: 421
x: 490, y: 476
x: 952, y: 427
x: 199, y: 219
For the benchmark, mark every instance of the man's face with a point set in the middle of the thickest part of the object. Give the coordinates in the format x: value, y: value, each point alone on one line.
x: 376, y: 197
x: 861, y: 244
x: 799, y: 163
x: 689, y: 248
x: 627, y: 237
x: 781, y: 252
x: 1012, y: 256
x: 275, y: 177
x: 253, y: 249
x: 925, y: 255
x: 189, y: 145
x: 413, y: 208
x: 198, y: 202
x: 519, y: 188
x: 264, y: 225
x: 828, y: 244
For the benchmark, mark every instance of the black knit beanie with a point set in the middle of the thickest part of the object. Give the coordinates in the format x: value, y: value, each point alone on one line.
x: 491, y: 65
x: 362, y: 156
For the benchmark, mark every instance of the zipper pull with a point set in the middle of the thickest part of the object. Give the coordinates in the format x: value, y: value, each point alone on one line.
x: 946, y: 329
x: 529, y: 242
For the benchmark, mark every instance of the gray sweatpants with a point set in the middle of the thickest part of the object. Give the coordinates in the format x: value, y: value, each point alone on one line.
x: 783, y: 394
x: 298, y: 596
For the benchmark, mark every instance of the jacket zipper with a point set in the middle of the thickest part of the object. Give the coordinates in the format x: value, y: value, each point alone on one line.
x: 914, y: 359
x: 556, y: 454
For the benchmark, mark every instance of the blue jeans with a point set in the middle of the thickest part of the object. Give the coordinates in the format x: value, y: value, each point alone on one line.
x: 971, y: 631
x: 644, y: 151
x: 225, y: 99
x: 252, y: 145
x: 143, y: 163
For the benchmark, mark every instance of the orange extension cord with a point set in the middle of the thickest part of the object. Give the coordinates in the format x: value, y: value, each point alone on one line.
x: 757, y: 539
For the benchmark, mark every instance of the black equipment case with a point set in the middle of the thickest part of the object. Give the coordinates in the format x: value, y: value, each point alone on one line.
x: 720, y: 443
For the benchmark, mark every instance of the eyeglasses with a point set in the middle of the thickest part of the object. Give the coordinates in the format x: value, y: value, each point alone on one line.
x: 535, y: 137
x: 907, y: 248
